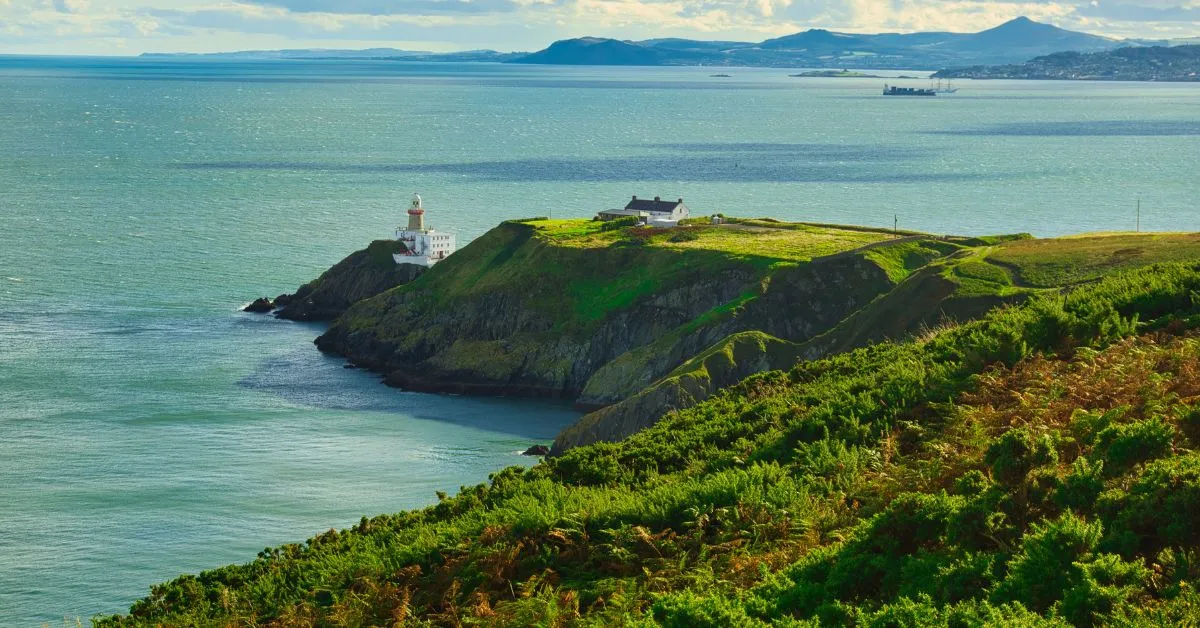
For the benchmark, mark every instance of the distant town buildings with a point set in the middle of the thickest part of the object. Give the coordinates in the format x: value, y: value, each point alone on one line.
x: 422, y: 246
x: 655, y: 212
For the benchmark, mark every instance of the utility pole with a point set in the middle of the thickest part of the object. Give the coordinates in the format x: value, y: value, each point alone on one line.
x: 1138, y: 228
x: 896, y: 225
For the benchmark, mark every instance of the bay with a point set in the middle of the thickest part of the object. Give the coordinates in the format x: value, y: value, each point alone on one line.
x: 147, y: 428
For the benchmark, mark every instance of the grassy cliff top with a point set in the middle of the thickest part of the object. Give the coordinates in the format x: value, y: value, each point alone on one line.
x: 1063, y: 261
x: 793, y: 242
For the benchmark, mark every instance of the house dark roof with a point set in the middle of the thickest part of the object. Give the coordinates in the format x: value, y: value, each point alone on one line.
x: 657, y: 205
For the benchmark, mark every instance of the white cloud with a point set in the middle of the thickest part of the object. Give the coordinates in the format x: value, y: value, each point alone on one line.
x: 99, y: 26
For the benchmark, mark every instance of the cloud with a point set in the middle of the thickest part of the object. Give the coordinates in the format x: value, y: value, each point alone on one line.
x: 89, y: 26
x: 71, y: 6
x: 391, y: 7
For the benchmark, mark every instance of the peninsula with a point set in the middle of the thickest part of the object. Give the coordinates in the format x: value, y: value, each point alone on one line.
x: 806, y: 424
x: 1155, y: 63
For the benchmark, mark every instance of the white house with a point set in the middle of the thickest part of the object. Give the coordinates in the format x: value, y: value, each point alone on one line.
x: 422, y: 246
x: 655, y: 212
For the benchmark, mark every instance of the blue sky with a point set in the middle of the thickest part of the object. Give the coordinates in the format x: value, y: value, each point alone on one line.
x: 116, y: 27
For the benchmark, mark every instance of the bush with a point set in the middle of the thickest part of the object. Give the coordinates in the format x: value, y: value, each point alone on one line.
x: 1160, y: 510
x: 1080, y: 488
x: 688, y: 610
x: 1123, y: 446
x: 1046, y: 567
x: 1103, y: 584
x: 1016, y: 453
x: 1189, y: 422
x: 684, y: 236
x: 620, y: 223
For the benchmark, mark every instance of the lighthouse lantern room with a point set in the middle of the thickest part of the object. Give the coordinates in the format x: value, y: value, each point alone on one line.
x: 422, y: 246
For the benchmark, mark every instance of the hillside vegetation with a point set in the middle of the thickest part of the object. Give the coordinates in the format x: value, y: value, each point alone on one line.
x: 935, y: 282
x: 1134, y: 63
x: 595, y: 311
x: 1037, y: 466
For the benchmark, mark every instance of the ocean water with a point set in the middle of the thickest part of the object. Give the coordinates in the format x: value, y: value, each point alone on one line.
x: 147, y: 428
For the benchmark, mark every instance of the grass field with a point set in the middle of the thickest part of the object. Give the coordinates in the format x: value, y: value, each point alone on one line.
x: 792, y: 242
x: 1071, y: 260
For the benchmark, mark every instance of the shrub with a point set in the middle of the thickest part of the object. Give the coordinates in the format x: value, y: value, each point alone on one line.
x: 688, y: 610
x: 1123, y: 446
x: 1159, y: 511
x: 620, y: 223
x: 1103, y: 584
x: 1082, y: 486
x: 684, y: 236
x: 1085, y: 426
x: 1016, y: 453
x: 1046, y: 567
x: 1189, y: 423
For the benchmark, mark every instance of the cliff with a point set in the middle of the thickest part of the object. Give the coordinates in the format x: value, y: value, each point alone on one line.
x: 632, y: 323
x: 361, y: 275
x: 584, y: 311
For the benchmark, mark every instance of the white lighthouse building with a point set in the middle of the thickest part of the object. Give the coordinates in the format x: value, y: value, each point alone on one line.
x: 422, y: 246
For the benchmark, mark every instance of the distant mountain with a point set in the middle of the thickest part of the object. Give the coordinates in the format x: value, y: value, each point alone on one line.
x: 1155, y: 63
x: 674, y: 43
x: 1011, y: 42
x: 1025, y: 38
x: 600, y: 51
x: 321, y: 53
x: 819, y: 39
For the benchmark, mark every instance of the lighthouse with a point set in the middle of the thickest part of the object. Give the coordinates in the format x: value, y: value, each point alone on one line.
x: 422, y: 246
x: 416, y: 214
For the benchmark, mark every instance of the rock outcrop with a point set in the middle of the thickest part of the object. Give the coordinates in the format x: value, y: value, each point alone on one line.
x: 361, y: 275
x: 261, y: 305
x: 513, y: 315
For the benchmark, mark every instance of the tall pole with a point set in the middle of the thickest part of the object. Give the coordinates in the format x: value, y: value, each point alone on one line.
x: 896, y: 225
x: 1139, y: 215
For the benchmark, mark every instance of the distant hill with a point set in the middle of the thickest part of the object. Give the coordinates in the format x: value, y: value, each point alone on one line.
x: 600, y: 51
x: 1026, y: 38
x: 326, y: 54
x: 1155, y: 63
x: 1011, y: 42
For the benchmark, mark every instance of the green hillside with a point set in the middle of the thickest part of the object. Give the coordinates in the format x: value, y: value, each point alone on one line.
x: 546, y: 307
x: 1036, y: 466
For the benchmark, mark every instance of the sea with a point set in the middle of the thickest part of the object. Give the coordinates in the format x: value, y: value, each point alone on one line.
x: 148, y: 428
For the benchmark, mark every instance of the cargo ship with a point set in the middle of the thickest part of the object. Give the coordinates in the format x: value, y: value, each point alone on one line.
x: 907, y: 91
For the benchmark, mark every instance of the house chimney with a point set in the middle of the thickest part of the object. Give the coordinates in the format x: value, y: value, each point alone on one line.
x: 635, y: 197
x: 681, y: 200
x: 656, y: 199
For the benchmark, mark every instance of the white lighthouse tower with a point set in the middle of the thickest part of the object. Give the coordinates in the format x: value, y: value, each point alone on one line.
x: 422, y: 246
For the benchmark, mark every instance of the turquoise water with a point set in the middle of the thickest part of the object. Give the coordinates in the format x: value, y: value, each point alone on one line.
x: 147, y: 428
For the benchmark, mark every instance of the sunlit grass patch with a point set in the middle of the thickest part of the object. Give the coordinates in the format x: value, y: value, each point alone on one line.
x: 1066, y: 261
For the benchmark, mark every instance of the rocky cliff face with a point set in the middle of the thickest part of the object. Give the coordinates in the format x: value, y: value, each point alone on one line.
x: 924, y: 301
x: 362, y: 275
x: 793, y: 304
x: 511, y: 315
x: 724, y: 364
x: 629, y: 331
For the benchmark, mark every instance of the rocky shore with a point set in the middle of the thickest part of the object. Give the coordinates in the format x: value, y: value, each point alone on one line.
x: 361, y: 275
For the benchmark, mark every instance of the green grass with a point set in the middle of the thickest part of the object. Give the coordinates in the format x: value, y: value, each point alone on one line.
x: 795, y: 242
x: 1066, y: 261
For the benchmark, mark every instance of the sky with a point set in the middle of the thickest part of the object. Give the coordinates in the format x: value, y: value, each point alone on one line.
x: 127, y: 27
